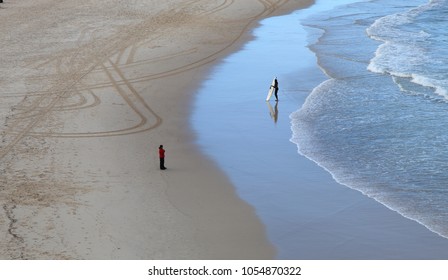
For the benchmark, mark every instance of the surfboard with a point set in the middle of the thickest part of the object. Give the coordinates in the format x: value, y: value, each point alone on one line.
x: 271, y: 90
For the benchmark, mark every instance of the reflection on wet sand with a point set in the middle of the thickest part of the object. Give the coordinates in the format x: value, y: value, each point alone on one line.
x: 273, y: 112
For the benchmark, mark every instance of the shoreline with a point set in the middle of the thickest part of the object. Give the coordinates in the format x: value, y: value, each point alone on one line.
x: 308, y: 215
x: 84, y: 111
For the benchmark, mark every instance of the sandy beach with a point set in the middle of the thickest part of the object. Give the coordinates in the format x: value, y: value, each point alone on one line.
x: 89, y: 90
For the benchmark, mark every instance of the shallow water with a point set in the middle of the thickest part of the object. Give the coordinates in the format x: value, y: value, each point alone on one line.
x: 306, y: 214
x: 379, y: 124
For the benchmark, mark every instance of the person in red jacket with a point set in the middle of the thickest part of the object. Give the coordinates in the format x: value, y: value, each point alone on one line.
x: 162, y: 157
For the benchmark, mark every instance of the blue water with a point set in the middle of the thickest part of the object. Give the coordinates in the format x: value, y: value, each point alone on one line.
x: 362, y: 102
x: 379, y: 123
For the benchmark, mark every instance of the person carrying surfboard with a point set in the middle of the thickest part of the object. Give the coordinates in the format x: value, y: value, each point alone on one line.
x: 275, y: 88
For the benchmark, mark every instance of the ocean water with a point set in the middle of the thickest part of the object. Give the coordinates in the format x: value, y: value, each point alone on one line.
x: 379, y: 123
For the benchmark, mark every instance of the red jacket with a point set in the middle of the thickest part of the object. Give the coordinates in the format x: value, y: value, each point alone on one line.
x: 161, y: 153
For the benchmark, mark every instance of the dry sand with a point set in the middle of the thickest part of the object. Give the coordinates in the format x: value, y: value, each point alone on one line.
x: 89, y: 90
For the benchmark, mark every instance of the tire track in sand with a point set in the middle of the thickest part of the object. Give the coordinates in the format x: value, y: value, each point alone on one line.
x: 49, y: 102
